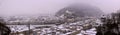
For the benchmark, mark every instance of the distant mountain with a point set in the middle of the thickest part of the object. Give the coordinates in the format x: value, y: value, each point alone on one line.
x: 81, y: 10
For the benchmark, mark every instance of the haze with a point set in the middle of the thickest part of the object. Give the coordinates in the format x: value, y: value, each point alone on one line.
x: 50, y: 7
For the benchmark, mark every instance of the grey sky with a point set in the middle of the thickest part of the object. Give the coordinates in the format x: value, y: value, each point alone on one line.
x: 43, y: 7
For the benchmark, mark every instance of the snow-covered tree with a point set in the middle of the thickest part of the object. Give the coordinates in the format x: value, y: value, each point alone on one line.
x: 111, y: 25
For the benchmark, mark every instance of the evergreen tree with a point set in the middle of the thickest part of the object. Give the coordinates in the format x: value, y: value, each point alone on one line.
x: 110, y: 25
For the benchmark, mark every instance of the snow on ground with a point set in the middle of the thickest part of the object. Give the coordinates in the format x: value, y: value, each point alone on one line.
x: 88, y: 32
x: 77, y: 28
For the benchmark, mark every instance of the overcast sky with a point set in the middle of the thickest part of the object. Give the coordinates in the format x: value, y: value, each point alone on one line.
x: 45, y: 7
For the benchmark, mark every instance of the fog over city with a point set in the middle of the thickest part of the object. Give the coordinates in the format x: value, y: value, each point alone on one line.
x: 50, y: 7
x: 59, y: 17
